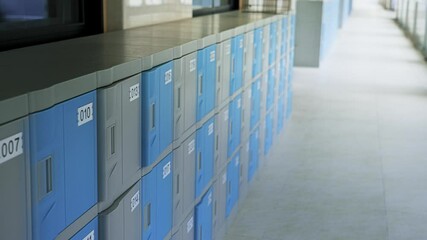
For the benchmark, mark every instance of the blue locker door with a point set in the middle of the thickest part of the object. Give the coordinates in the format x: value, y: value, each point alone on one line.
x: 268, y: 133
x: 149, y: 203
x: 282, y: 76
x: 164, y: 197
x: 236, y: 77
x: 200, y: 109
x: 47, y: 173
x: 165, y: 79
x: 150, y: 117
x: 273, y: 39
x: 209, y: 149
x: 284, y: 35
x: 234, y: 128
x: 239, y: 62
x: 209, y: 81
x: 203, y: 214
x: 89, y: 232
x: 200, y: 166
x: 270, y: 88
x: 257, y: 64
x: 80, y: 155
x: 255, y: 151
x: 232, y: 184
x: 255, y: 103
x: 253, y: 154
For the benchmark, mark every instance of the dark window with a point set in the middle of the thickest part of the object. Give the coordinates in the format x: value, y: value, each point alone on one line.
x: 29, y: 22
x: 204, y: 7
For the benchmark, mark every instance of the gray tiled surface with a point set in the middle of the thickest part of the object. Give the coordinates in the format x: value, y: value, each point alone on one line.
x: 352, y: 163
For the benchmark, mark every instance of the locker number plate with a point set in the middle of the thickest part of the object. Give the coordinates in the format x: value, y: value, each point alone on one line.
x: 226, y: 113
x: 192, y: 65
x: 134, y: 92
x: 190, y: 224
x: 134, y: 201
x: 227, y: 49
x: 11, y: 147
x: 168, y: 76
x: 212, y: 56
x: 166, y: 170
x: 84, y: 114
x: 90, y: 236
x: 191, y: 147
x: 210, y: 129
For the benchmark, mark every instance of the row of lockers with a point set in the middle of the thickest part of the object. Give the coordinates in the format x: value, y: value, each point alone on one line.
x: 88, y: 154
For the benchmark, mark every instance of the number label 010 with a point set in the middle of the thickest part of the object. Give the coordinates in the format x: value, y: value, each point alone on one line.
x: 84, y: 114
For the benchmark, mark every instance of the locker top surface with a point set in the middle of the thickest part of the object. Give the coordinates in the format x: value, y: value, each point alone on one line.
x: 38, y: 77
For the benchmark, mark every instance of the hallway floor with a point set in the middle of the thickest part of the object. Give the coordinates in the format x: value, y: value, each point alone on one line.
x: 352, y: 163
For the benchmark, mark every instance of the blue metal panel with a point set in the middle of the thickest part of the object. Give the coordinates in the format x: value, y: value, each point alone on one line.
x: 203, y: 215
x: 257, y: 63
x: 284, y: 46
x: 282, y: 75
x: 210, y: 78
x: 232, y: 194
x: 150, y: 117
x: 280, y: 113
x: 268, y: 132
x: 234, y: 120
x: 164, y: 197
x: 255, y: 103
x: 149, y: 203
x: 253, y: 154
x: 165, y: 80
x: 200, y: 108
x: 63, y: 164
x: 47, y: 169
x: 236, y: 72
x: 80, y: 157
x: 273, y: 42
x: 89, y: 232
x: 270, y: 88
x: 205, y: 144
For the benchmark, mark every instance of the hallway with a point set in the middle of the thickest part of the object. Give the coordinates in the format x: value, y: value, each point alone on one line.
x: 352, y: 163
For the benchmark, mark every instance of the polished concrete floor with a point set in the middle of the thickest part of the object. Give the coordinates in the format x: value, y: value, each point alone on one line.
x: 352, y: 163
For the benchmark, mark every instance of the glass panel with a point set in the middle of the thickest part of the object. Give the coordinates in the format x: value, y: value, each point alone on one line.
x: 23, y: 14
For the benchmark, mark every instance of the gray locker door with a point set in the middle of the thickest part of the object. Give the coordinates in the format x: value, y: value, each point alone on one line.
x: 187, y: 228
x: 279, y: 41
x: 244, y: 168
x: 178, y: 186
x: 189, y: 187
x: 178, y: 108
x: 190, y: 89
x: 14, y: 182
x: 248, y: 58
x: 123, y: 219
x: 119, y: 114
x: 263, y: 94
x: 265, y: 48
x: 223, y: 71
x: 246, y: 113
x: 219, y: 205
x: 221, y: 139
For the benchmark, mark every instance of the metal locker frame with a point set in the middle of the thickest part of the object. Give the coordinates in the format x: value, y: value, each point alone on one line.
x: 221, y: 139
x: 223, y: 72
x: 119, y: 130
x: 266, y: 48
x: 184, y: 174
x: 15, y: 220
x: 123, y: 219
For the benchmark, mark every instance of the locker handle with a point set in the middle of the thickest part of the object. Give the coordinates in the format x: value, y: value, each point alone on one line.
x: 219, y: 73
x: 200, y: 84
x: 45, y: 183
x: 177, y: 184
x: 147, y: 216
x: 199, y: 161
x: 153, y: 115
x: 233, y: 63
x: 179, y: 97
x: 113, y: 140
